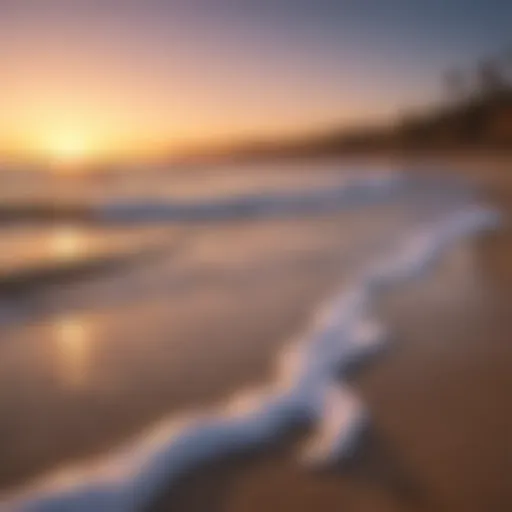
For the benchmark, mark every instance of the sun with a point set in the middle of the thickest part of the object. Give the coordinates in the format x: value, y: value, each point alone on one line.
x: 67, y: 149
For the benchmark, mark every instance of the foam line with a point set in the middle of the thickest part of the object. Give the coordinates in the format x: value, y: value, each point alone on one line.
x: 306, y: 390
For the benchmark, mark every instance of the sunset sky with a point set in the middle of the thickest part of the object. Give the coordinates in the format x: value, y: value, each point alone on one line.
x: 120, y: 77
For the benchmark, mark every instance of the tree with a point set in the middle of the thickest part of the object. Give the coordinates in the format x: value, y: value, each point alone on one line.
x: 455, y: 85
x: 491, y: 77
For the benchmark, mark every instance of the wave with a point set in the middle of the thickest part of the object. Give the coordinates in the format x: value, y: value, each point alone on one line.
x: 113, y: 210
x: 353, y: 191
x: 305, y: 391
x: 42, y: 211
x: 36, y: 276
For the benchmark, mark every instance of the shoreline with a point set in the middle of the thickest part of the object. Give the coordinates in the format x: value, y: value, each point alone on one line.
x: 406, y: 322
x: 277, y: 412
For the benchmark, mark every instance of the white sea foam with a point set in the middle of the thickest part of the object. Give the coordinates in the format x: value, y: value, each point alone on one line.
x: 305, y: 389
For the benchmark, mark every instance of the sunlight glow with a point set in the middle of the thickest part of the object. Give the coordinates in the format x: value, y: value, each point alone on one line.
x: 67, y: 149
x: 73, y: 339
x: 68, y: 243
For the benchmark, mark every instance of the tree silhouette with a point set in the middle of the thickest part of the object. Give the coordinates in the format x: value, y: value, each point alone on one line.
x: 455, y: 85
x: 491, y: 77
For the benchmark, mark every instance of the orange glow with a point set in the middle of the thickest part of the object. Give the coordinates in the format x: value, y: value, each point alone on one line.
x: 83, y: 91
x: 70, y: 111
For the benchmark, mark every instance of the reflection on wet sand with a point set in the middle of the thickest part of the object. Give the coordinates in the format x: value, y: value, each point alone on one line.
x: 68, y: 243
x: 73, y: 343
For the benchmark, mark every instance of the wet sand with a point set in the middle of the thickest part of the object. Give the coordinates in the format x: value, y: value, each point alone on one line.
x: 80, y: 381
x: 441, y: 428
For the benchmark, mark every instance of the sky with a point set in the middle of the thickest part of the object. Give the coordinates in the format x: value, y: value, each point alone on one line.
x: 126, y: 77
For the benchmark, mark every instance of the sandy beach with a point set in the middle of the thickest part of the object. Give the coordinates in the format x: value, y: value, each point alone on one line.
x: 438, y: 395
x: 255, y: 256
